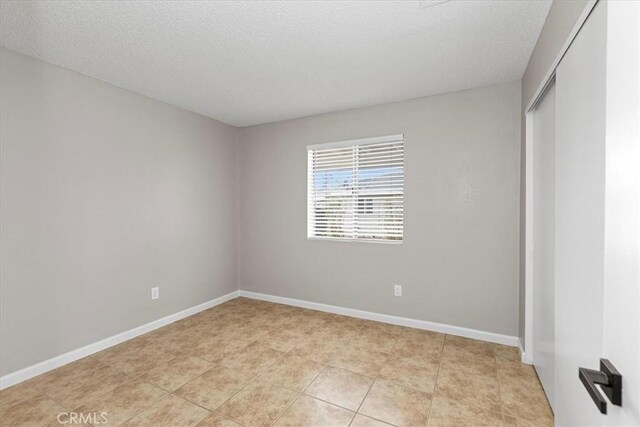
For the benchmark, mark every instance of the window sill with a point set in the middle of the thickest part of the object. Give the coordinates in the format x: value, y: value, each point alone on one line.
x: 333, y: 239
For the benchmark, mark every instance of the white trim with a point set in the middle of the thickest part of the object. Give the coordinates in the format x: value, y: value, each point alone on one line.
x: 552, y: 69
x: 73, y: 355
x: 528, y: 236
x: 362, y: 141
x: 339, y: 239
x: 524, y: 357
x: 386, y: 318
x: 528, y: 219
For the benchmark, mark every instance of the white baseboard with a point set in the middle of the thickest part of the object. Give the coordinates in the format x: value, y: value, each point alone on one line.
x: 524, y: 357
x: 385, y: 318
x: 73, y: 355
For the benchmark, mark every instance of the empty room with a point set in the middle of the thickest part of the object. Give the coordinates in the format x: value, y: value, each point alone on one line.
x: 320, y: 213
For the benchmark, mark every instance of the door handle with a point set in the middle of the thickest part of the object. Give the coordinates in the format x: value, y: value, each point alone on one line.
x: 608, y: 378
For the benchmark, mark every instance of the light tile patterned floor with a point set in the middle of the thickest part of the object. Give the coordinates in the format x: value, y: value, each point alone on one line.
x: 252, y: 363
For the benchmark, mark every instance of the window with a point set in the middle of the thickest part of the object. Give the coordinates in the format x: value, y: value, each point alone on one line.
x: 355, y: 190
x: 365, y: 205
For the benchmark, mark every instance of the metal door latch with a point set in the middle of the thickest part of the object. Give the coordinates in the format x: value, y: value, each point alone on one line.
x: 608, y: 378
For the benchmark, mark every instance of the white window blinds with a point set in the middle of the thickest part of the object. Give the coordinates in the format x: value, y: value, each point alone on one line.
x: 355, y: 190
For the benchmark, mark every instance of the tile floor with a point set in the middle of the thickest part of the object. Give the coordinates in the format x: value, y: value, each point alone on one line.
x: 251, y: 363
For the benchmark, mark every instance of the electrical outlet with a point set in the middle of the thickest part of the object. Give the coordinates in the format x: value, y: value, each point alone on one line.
x: 397, y: 290
x: 155, y: 293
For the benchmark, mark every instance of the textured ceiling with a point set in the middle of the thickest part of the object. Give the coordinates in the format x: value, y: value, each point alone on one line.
x: 255, y: 62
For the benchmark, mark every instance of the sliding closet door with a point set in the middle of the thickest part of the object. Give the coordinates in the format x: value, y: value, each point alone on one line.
x: 544, y: 129
x: 579, y: 219
x: 586, y: 220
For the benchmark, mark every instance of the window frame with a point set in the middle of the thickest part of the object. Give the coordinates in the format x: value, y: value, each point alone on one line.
x: 346, y: 144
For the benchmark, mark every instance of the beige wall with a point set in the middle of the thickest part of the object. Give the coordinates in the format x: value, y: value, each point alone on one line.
x: 105, y: 194
x: 459, y: 260
x: 561, y: 19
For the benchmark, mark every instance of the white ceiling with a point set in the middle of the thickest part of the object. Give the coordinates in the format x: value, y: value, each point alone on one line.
x: 247, y: 62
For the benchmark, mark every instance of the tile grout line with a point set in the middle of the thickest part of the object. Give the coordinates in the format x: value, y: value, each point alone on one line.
x: 367, y: 394
x: 435, y: 384
x: 305, y: 388
x: 328, y: 403
x: 150, y: 406
x: 234, y: 394
x: 251, y: 381
x: 71, y: 409
x: 227, y: 418
x: 170, y: 394
x: 495, y: 360
x: 298, y: 396
x: 42, y: 393
x: 480, y: 408
x: 520, y: 417
x: 363, y: 399
x: 207, y: 409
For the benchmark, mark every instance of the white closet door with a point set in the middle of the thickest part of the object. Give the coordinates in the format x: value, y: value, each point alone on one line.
x: 579, y: 219
x: 622, y: 211
x: 594, y: 218
x: 544, y: 129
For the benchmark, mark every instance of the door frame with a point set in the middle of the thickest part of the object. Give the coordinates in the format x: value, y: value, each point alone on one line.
x: 527, y: 351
